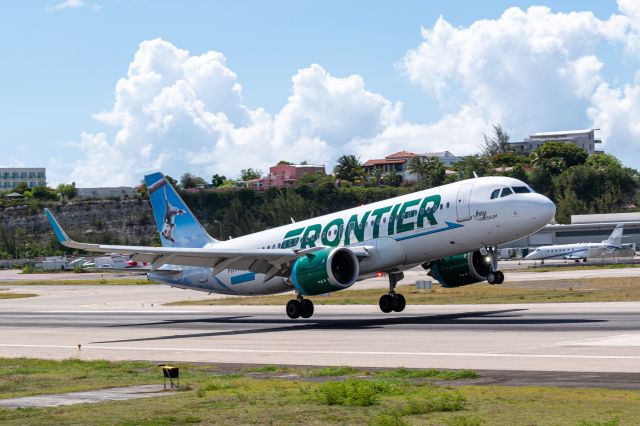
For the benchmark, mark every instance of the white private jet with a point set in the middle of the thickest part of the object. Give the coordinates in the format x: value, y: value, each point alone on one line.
x: 453, y: 230
x: 579, y: 250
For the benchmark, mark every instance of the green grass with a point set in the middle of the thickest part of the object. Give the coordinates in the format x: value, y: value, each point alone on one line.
x: 218, y: 394
x: 330, y: 371
x: 582, y: 290
x: 406, y: 373
x: 14, y: 295
x: 578, y: 267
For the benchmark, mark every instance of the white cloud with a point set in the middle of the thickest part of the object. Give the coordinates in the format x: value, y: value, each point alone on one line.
x: 530, y: 70
x: 180, y: 112
x: 68, y: 4
x: 73, y: 4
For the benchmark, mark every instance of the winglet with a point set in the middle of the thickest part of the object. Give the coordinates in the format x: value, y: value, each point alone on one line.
x: 64, y: 239
x: 57, y: 229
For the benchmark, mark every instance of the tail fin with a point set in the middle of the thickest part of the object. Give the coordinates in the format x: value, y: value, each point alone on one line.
x: 177, y: 226
x: 615, y: 239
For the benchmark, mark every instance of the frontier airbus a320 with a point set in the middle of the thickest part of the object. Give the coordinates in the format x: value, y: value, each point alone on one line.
x: 452, y: 230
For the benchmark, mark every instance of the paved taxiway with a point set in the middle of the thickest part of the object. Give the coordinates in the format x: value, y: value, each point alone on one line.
x: 129, y: 322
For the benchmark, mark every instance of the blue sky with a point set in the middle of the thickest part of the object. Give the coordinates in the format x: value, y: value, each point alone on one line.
x: 62, y: 61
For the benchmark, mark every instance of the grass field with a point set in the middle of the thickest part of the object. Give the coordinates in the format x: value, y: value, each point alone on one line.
x: 582, y: 290
x: 579, y: 267
x: 14, y: 295
x: 333, y: 395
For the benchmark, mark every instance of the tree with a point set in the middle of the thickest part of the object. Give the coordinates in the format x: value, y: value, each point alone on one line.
x: 430, y: 170
x: 315, y: 179
x: 250, y: 174
x: 284, y: 163
x: 218, y: 180
x: 67, y: 190
x: 471, y: 164
x: 603, y: 161
x: 172, y: 181
x: 555, y: 157
x: 188, y: 181
x: 349, y: 168
x: 496, y: 144
x: 21, y: 187
x: 392, y: 178
x: 43, y: 193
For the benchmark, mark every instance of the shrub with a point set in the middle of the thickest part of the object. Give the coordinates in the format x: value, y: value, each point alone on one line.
x: 362, y: 393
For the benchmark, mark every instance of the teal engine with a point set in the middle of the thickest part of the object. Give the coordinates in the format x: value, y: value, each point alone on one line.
x: 461, y: 269
x: 325, y: 271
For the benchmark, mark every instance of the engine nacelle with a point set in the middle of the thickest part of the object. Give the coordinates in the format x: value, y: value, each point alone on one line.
x: 325, y: 271
x: 461, y: 269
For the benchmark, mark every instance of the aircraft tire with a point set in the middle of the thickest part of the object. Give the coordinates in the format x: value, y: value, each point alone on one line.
x: 386, y: 303
x: 492, y: 278
x: 399, y: 303
x: 307, y: 308
x: 294, y: 309
x: 500, y: 277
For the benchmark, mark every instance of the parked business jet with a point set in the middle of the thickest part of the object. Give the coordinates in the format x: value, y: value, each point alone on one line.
x: 452, y: 230
x: 580, y: 250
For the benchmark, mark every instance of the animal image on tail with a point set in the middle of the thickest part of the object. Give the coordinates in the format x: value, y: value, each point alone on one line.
x: 170, y: 213
x: 176, y: 225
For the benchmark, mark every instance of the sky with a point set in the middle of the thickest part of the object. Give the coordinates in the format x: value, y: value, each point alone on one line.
x: 102, y: 92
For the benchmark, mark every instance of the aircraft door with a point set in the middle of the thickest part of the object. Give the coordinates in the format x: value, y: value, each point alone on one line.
x: 463, y: 207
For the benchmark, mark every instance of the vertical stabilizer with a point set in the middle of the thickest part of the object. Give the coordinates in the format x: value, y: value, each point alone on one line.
x: 176, y: 225
x: 615, y: 239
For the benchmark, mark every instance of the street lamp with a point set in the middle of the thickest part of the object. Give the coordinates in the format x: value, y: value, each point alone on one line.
x: 219, y: 228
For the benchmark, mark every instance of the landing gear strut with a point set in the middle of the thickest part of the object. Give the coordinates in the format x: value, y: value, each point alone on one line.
x: 393, y: 301
x: 299, y: 307
x: 494, y: 276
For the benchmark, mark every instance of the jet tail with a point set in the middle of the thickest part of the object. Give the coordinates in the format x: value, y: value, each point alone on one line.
x: 177, y: 226
x: 615, y: 239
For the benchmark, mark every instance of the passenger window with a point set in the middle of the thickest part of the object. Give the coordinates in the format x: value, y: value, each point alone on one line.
x: 521, y: 190
x: 506, y: 191
x: 495, y: 194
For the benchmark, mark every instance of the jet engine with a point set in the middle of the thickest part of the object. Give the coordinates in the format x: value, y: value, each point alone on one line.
x: 325, y: 271
x: 461, y: 269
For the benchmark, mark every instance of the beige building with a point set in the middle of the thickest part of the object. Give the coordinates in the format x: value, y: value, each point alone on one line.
x: 10, y: 177
x: 585, y: 139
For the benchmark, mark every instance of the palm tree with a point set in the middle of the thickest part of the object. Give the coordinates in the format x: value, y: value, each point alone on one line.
x: 348, y: 168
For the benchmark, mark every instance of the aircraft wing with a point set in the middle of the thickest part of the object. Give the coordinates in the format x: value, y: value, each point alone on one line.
x: 271, y: 262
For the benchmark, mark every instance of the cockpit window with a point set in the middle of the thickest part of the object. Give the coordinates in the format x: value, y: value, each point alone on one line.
x: 521, y: 190
x: 495, y: 194
x: 506, y: 191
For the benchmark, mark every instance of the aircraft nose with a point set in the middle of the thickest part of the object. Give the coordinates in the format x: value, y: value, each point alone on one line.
x: 541, y: 209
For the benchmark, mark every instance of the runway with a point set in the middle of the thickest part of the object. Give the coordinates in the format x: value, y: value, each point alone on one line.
x: 127, y: 322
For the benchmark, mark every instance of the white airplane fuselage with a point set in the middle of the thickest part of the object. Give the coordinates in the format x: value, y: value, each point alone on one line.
x: 568, y: 251
x: 396, y: 234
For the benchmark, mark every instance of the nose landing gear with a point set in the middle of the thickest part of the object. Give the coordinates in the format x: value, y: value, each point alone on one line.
x: 494, y: 276
x: 393, y: 301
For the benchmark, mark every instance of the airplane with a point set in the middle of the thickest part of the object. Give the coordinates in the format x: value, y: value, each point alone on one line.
x: 452, y: 230
x: 579, y: 250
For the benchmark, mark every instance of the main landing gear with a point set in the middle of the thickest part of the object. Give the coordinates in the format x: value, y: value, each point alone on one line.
x: 393, y: 301
x: 299, y: 307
